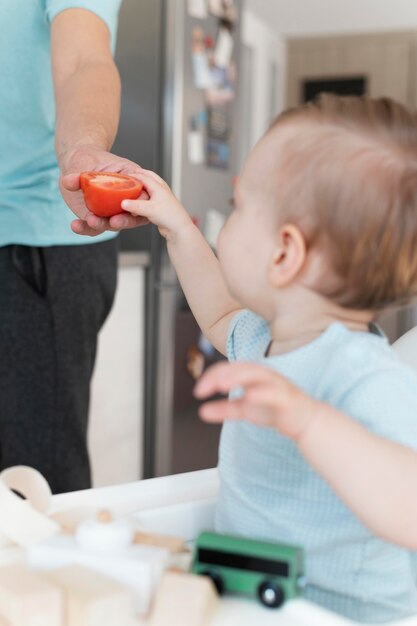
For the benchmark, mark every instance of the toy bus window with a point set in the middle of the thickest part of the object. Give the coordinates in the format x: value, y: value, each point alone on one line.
x: 238, y: 561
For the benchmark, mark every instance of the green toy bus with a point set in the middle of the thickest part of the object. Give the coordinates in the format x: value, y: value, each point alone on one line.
x: 271, y: 572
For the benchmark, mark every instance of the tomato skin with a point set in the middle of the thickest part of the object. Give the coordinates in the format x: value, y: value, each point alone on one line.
x: 103, y: 196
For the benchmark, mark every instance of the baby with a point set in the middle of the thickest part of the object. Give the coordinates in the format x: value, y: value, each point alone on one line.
x: 319, y: 444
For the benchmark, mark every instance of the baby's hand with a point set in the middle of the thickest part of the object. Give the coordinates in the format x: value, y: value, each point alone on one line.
x: 269, y: 399
x: 162, y: 209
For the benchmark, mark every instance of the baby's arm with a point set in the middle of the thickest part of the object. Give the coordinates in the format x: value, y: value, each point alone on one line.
x: 196, y: 265
x: 376, y: 478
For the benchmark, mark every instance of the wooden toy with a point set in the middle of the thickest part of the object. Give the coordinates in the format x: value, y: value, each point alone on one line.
x: 104, y: 534
x: 69, y: 519
x: 137, y: 621
x: 173, y: 544
x: 92, y: 599
x: 184, y: 600
x: 271, y: 572
x: 11, y: 556
x: 24, y: 522
x: 137, y: 567
x: 26, y: 599
x: 181, y: 561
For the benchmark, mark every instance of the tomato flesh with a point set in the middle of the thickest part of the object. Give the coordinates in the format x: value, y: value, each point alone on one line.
x: 104, y: 191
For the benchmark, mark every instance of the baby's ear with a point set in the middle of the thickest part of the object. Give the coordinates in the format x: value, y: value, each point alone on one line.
x: 289, y: 256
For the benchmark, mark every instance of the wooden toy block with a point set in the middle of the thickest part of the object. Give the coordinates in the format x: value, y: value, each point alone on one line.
x: 173, y: 544
x: 12, y: 556
x: 70, y: 519
x: 103, y: 534
x: 134, y: 621
x: 181, y: 562
x: 138, y: 568
x: 184, y: 600
x: 92, y: 599
x: 26, y: 599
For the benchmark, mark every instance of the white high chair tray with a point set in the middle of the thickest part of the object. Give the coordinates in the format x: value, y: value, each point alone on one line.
x: 183, y: 505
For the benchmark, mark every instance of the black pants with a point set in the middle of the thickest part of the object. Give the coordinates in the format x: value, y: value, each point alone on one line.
x: 53, y: 302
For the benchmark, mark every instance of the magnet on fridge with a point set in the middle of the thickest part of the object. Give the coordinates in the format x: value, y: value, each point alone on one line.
x: 195, y: 141
x: 197, y: 8
x: 201, y: 71
x: 218, y: 154
x: 219, y: 122
x: 224, y: 48
x: 201, y: 118
x: 200, y: 61
x: 224, y: 9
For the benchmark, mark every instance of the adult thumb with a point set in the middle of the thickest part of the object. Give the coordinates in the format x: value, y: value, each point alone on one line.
x: 71, y: 182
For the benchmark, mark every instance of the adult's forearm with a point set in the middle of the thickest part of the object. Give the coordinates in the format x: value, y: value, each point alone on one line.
x: 87, y: 108
x: 376, y: 478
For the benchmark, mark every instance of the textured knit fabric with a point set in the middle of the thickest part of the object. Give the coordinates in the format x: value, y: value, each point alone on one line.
x: 269, y: 491
x: 53, y: 302
x: 32, y: 210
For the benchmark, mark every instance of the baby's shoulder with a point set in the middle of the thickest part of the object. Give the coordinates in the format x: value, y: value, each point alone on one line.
x: 357, y: 356
x: 366, y: 379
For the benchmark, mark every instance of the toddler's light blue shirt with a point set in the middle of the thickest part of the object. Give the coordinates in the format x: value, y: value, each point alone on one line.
x: 269, y: 491
x: 32, y: 211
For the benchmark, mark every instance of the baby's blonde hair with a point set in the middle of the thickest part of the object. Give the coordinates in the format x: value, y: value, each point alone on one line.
x: 350, y: 173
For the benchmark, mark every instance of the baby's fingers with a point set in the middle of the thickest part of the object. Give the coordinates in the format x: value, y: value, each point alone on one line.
x: 142, y: 208
x: 156, y: 178
x: 151, y: 181
x: 221, y: 410
x: 232, y: 410
x: 223, y: 377
x: 270, y: 395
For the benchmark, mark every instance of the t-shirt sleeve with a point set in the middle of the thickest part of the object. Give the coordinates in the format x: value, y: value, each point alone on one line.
x: 107, y: 10
x: 248, y: 337
x: 386, y: 403
x: 231, y: 337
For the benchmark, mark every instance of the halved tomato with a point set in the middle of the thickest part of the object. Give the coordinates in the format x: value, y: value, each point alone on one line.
x: 104, y: 191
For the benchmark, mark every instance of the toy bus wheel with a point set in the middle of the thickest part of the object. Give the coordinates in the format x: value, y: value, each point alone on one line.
x: 216, y: 579
x: 271, y: 595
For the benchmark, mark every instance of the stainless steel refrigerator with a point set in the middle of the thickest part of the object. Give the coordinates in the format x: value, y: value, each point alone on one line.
x: 179, y: 118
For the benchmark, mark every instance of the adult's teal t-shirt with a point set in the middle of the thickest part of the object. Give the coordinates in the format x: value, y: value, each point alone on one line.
x: 32, y: 211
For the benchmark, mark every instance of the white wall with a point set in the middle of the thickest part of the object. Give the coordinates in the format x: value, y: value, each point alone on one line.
x: 316, y: 17
x: 267, y: 47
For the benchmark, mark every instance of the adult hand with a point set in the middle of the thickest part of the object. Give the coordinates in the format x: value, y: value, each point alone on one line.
x: 88, y: 158
x: 268, y: 398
